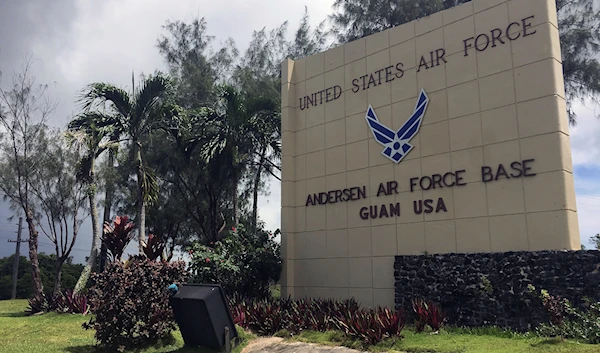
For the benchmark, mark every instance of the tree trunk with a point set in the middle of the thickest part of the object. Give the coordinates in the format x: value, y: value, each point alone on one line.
x: 236, y: 216
x: 108, y: 200
x: 33, y: 255
x: 141, y: 212
x: 87, y: 270
x: 255, y: 191
x: 57, y: 277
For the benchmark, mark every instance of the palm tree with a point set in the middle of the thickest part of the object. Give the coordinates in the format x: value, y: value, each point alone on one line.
x: 138, y: 113
x: 233, y: 134
x: 267, y: 155
x: 91, y: 130
x: 109, y: 192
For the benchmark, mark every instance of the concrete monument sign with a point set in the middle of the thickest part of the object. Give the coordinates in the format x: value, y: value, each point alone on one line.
x: 447, y: 134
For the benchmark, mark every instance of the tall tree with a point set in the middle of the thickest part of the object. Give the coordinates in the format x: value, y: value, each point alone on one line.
x: 267, y: 157
x: 91, y: 132
x: 58, y: 196
x: 258, y: 74
x: 138, y: 113
x: 231, y: 134
x: 192, y: 63
x: 24, y: 109
x: 579, y: 27
x: 578, y: 24
x: 256, y: 77
x: 307, y: 40
x: 109, y: 188
x: 195, y: 192
x: 355, y: 19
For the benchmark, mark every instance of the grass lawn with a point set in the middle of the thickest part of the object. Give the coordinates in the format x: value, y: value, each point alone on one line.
x: 457, y: 341
x: 53, y: 333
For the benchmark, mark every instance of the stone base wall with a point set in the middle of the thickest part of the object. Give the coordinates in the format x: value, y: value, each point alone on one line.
x: 491, y: 288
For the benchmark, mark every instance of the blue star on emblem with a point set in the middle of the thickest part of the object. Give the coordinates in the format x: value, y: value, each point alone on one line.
x: 396, y: 143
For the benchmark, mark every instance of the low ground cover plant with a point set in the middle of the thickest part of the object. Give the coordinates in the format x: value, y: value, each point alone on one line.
x: 569, y: 322
x: 426, y: 314
x: 292, y: 317
x: 64, y: 302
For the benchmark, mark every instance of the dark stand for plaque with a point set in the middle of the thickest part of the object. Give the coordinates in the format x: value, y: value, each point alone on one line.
x: 203, y: 316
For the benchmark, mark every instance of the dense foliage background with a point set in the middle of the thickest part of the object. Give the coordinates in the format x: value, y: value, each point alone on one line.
x: 69, y: 277
x: 244, y: 263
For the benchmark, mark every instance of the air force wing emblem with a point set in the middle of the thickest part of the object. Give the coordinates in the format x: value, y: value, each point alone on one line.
x: 396, y: 143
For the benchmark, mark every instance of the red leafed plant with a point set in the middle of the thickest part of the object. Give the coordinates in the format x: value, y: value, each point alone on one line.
x: 392, y: 322
x: 70, y: 302
x: 153, y: 248
x: 362, y: 325
x: 436, y: 317
x: 421, y: 312
x: 117, y: 235
x: 239, y: 311
x: 267, y: 316
x: 427, y: 313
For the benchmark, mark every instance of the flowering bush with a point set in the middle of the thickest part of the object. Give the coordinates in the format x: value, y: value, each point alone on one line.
x: 241, y: 263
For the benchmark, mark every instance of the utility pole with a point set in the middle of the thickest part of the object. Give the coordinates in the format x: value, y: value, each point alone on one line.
x: 16, y: 259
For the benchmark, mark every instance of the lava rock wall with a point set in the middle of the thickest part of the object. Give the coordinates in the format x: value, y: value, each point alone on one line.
x: 491, y: 289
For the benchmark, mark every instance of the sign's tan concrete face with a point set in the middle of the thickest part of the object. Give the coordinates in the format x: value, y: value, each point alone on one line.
x: 445, y: 134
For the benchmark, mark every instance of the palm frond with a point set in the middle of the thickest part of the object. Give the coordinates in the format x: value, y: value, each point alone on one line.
x: 104, y: 93
x: 150, y: 188
x: 148, y: 98
x: 87, y: 121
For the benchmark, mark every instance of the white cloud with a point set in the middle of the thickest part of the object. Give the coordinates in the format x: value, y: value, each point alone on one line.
x: 88, y: 41
x: 585, y: 151
x: 585, y: 136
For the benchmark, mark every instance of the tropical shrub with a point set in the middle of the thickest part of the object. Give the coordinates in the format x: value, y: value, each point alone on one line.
x: 556, y: 307
x: 66, y: 302
x: 117, y: 235
x: 241, y: 263
x: 131, y: 302
x: 371, y: 326
x: 567, y: 321
x: 420, y: 314
x: 39, y: 305
x: 153, y: 247
x: 71, y: 302
x: 291, y: 317
x: 427, y: 313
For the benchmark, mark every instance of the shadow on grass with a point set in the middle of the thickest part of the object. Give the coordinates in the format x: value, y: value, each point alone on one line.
x: 15, y: 314
x: 89, y: 348
x: 551, y: 341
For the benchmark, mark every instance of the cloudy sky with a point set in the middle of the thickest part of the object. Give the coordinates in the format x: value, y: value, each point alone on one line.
x: 76, y: 42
